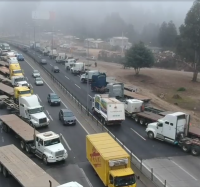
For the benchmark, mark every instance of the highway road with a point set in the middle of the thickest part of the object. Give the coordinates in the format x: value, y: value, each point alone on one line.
x: 174, y: 164
x: 76, y: 168
x: 130, y: 133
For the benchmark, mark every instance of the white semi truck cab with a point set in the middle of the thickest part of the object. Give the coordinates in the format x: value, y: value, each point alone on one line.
x: 77, y: 67
x: 69, y: 63
x: 30, y: 108
x: 88, y: 75
x: 168, y: 128
x: 19, y: 81
x: 48, y: 147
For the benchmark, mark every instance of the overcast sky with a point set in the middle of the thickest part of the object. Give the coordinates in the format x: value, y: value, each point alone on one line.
x: 136, y: 12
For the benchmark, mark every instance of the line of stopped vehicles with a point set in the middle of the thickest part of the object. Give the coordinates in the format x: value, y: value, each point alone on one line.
x: 111, y: 103
x: 109, y: 160
x: 114, y: 100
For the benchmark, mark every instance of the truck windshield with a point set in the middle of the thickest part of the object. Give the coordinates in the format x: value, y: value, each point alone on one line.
x: 25, y: 92
x: 124, y: 181
x: 35, y: 110
x: 19, y: 79
x: 51, y: 142
x: 17, y: 71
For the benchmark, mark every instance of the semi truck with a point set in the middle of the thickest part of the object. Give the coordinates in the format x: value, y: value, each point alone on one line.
x: 15, y: 70
x: 69, y: 63
x: 61, y: 58
x: 46, y: 51
x: 29, y: 109
x: 25, y: 171
x: 77, y: 68
x: 116, y: 89
x: 175, y: 128
x: 110, y: 161
x: 87, y: 76
x: 98, y: 83
x: 46, y: 146
x: 53, y: 53
x: 19, y: 81
x: 110, y: 110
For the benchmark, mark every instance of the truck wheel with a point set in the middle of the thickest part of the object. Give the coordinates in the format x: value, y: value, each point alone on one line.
x: 136, y: 119
x: 150, y: 135
x: 44, y: 158
x: 186, y: 147
x: 1, y: 168
x: 22, y: 145
x: 5, y: 172
x: 195, y: 150
x: 142, y: 121
x: 28, y: 149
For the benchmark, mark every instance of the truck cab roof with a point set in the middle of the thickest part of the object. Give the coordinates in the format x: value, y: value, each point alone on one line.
x: 47, y: 135
x: 71, y: 184
x: 30, y: 101
x: 119, y: 172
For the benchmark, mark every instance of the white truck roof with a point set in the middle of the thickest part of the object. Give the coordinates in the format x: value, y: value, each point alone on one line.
x: 134, y: 101
x: 71, y: 184
x: 48, y: 135
x: 30, y: 101
x: 111, y: 100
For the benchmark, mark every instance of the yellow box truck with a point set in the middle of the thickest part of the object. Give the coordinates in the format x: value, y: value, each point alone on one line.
x: 110, y: 161
x: 15, y: 70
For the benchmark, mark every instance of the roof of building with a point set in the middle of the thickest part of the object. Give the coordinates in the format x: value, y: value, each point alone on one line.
x: 120, y: 37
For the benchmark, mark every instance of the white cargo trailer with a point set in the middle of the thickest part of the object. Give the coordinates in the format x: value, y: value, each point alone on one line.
x: 110, y: 110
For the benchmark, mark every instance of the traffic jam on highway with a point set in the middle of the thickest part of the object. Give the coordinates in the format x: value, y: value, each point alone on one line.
x: 47, y: 128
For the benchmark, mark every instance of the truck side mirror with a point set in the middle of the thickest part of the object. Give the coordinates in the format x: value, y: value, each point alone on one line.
x: 31, y: 91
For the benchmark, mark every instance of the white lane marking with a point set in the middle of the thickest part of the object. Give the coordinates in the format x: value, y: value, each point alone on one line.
x: 88, y: 181
x: 138, y: 134
x: 184, y: 170
x: 2, y: 139
x: 65, y: 142
x: 49, y: 115
x: 31, y: 85
x: 67, y: 77
x: 51, y: 118
x: 61, y: 101
x: 90, y: 96
x: 77, y: 86
x: 27, y: 78
x: 38, y: 96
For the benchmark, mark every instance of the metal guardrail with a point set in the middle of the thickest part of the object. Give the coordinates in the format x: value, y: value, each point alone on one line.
x: 148, y: 172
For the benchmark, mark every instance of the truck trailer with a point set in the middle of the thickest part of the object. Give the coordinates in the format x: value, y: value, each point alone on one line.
x: 25, y: 171
x: 110, y: 110
x: 109, y: 160
x: 46, y: 146
x: 175, y: 128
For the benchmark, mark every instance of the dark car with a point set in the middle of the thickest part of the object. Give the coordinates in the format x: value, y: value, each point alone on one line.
x: 55, y: 69
x: 20, y: 57
x: 53, y: 99
x: 43, y: 61
x: 25, y: 49
x: 67, y: 117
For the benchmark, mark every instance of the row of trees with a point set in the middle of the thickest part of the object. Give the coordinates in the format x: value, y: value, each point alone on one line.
x: 187, y: 43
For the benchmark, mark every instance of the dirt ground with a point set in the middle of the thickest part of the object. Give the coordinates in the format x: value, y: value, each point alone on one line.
x: 161, y: 86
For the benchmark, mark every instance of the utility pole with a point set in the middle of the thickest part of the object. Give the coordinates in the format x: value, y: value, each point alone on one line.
x: 34, y: 38
x: 88, y: 79
x: 122, y: 43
